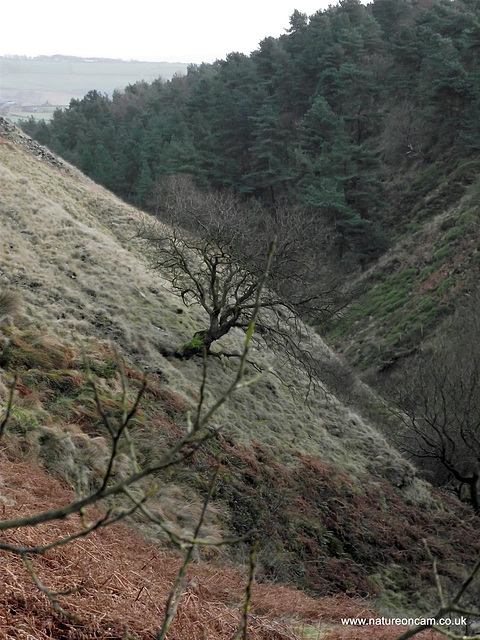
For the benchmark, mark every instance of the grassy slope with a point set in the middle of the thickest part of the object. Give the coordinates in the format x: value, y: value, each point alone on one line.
x: 337, y: 507
x: 70, y: 253
x: 404, y: 298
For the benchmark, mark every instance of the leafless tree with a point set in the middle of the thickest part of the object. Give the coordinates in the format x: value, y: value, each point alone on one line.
x: 403, y: 137
x: 212, y: 244
x: 438, y: 401
x: 439, y: 404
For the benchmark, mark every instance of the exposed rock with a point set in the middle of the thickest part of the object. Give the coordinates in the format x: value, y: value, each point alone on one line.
x: 10, y: 132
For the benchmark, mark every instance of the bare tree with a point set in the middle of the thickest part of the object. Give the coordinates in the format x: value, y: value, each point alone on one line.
x: 403, y: 136
x: 212, y: 245
x: 439, y: 405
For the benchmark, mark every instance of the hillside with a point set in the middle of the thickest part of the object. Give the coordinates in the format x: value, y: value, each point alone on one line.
x: 362, y: 118
x: 338, y: 510
x: 408, y: 296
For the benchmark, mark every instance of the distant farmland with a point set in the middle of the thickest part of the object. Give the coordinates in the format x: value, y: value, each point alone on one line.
x: 34, y: 86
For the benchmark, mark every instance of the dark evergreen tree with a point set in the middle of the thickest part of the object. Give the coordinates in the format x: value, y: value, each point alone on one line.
x: 319, y: 117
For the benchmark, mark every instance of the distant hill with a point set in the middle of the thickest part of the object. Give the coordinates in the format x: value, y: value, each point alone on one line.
x: 33, y: 86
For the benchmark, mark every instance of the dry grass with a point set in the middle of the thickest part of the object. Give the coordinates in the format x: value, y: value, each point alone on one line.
x: 67, y: 250
x: 126, y: 582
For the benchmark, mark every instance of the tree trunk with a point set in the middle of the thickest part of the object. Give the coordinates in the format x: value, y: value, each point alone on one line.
x: 474, y: 497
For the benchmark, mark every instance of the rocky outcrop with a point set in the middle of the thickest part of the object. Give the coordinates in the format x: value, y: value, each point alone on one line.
x: 10, y: 132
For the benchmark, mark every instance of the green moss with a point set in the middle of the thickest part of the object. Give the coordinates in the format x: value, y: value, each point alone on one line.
x: 193, y: 346
x: 413, y: 226
x: 427, y: 271
x: 379, y: 301
x: 455, y: 233
x: 445, y: 285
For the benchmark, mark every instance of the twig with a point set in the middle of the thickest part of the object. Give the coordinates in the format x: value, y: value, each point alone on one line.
x: 243, y: 626
x: 450, y: 607
x: 179, y: 584
x: 52, y: 595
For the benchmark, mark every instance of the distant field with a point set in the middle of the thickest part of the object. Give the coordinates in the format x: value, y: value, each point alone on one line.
x: 33, y: 85
x: 17, y: 113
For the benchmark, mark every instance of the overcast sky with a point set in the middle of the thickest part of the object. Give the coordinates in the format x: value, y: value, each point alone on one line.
x: 152, y: 30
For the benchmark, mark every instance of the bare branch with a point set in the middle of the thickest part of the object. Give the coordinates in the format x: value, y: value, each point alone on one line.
x: 180, y: 581
x: 242, y: 631
x: 51, y: 595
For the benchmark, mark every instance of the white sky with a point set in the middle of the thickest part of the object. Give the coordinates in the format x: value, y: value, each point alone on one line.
x: 151, y: 30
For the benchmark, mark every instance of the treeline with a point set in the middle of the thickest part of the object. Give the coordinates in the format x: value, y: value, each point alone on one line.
x: 327, y: 117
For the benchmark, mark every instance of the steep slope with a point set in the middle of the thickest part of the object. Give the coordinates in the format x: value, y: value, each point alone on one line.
x: 337, y: 508
x: 401, y: 301
x: 68, y: 248
x: 126, y: 579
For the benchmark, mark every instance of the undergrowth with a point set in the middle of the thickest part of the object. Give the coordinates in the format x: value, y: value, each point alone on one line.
x: 321, y: 528
x: 405, y: 298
